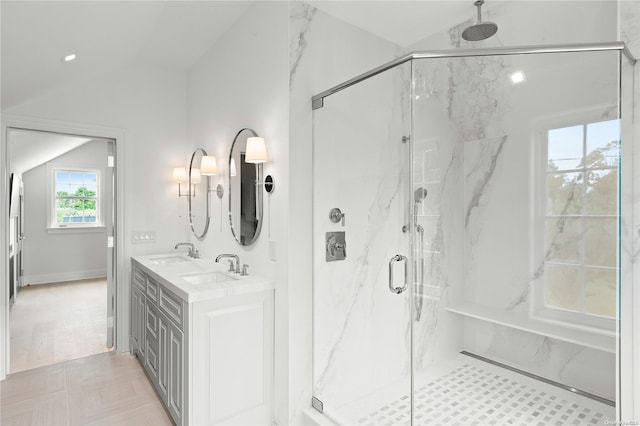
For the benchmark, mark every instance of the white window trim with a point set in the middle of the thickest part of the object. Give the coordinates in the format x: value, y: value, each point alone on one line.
x: 537, y: 309
x: 52, y: 226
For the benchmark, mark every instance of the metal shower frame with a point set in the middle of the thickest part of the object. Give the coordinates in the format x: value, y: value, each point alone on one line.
x: 317, y: 101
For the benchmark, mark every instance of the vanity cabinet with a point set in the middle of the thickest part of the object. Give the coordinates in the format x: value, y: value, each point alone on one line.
x: 207, y: 350
x: 157, y: 340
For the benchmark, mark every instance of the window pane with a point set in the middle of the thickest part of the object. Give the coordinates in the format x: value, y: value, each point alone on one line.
x: 75, y: 178
x: 603, y: 144
x: 600, y: 291
x: 564, y: 193
x: 62, y: 189
x: 563, y: 240
x: 62, y: 177
x: 601, y: 241
x: 562, y: 289
x: 565, y: 148
x: 602, y: 192
x: 90, y: 182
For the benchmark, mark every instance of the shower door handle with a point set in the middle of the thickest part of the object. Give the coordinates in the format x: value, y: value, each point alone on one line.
x: 392, y: 287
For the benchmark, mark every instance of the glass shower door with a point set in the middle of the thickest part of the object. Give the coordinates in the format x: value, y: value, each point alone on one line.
x: 519, y: 156
x: 362, y: 252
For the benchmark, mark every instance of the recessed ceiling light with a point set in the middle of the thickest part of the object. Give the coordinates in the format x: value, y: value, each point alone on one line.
x: 68, y: 58
x: 517, y: 77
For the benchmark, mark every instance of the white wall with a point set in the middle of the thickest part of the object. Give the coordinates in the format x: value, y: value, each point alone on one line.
x: 242, y: 82
x: 61, y: 256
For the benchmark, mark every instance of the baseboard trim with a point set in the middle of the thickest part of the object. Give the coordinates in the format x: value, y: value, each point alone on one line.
x: 64, y: 276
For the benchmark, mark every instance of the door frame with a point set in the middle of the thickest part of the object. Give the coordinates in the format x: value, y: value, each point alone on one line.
x: 120, y: 285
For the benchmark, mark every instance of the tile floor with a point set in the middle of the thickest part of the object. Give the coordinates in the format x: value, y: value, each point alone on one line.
x: 103, y: 389
x: 52, y: 323
x: 475, y: 393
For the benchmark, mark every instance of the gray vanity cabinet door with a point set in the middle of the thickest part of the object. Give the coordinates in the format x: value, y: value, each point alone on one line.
x: 163, y: 366
x: 138, y: 312
x: 175, y: 363
x: 152, y: 348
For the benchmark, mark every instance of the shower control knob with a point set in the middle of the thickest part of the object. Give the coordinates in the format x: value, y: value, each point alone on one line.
x: 336, y: 215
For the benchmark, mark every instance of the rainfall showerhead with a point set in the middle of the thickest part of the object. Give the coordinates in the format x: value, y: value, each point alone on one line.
x: 480, y: 30
x: 419, y: 195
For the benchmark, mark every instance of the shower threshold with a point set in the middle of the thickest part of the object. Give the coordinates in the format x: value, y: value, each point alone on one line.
x: 469, y: 390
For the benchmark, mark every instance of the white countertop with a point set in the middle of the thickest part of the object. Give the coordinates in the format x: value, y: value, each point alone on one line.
x: 175, y: 269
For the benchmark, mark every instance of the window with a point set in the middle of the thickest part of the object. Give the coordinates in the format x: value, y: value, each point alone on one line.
x: 76, y: 201
x: 580, y: 230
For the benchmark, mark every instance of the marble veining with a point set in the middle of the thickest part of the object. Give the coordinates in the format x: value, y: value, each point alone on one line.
x: 378, y: 215
x: 301, y: 17
x: 479, y: 178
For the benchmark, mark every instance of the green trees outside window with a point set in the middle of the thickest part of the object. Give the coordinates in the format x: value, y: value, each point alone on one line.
x: 581, y: 235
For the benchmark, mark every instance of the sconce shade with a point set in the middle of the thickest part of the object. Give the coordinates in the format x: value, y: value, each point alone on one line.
x: 256, y: 151
x: 195, y: 176
x: 208, y: 166
x: 232, y: 168
x: 180, y: 174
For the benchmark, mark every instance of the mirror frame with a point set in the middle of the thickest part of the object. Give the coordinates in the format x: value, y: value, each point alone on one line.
x: 259, y: 198
x: 203, y: 234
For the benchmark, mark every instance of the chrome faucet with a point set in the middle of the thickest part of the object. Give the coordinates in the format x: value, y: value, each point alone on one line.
x: 192, y: 249
x: 231, y: 268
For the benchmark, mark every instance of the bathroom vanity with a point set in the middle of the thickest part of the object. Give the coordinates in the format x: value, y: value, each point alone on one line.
x: 205, y: 338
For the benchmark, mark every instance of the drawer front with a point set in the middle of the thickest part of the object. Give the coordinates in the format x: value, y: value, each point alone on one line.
x: 139, y: 279
x: 151, y: 321
x: 172, y: 306
x: 152, y: 290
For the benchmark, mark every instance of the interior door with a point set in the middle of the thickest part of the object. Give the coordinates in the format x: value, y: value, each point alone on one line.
x: 362, y: 252
x: 110, y: 224
x: 20, y: 238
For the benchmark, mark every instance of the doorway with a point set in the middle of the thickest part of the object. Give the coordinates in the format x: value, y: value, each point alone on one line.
x: 59, y: 309
x: 64, y: 235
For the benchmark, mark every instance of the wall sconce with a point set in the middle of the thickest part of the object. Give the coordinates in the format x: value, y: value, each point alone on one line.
x: 257, y: 154
x: 256, y: 151
x: 208, y: 166
x: 180, y: 175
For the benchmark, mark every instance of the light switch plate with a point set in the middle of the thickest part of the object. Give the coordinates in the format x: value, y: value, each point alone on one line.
x: 140, y: 237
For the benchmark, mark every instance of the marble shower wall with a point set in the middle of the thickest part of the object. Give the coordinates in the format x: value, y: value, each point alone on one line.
x: 362, y: 177
x: 361, y: 329
x: 473, y: 153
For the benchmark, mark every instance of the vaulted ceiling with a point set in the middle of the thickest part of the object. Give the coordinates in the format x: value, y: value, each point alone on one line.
x: 106, y: 35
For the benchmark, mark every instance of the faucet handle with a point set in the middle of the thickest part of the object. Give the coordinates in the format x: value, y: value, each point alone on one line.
x: 196, y: 254
x: 244, y: 270
x: 231, y: 268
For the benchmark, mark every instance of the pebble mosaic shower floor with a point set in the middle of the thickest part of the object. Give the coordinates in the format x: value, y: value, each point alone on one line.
x: 475, y: 394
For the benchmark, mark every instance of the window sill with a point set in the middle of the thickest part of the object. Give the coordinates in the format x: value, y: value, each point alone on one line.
x: 597, y: 339
x: 76, y: 229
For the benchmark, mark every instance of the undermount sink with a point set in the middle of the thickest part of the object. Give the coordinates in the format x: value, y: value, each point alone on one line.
x: 207, y: 277
x: 168, y: 259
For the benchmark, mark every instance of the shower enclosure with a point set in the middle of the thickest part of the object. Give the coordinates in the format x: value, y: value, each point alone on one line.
x: 474, y: 271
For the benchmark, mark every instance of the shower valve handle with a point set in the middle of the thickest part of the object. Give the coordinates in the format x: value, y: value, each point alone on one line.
x: 336, y: 215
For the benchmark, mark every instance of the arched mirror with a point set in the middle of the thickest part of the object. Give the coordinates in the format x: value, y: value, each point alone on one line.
x: 245, y: 193
x: 199, y: 215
